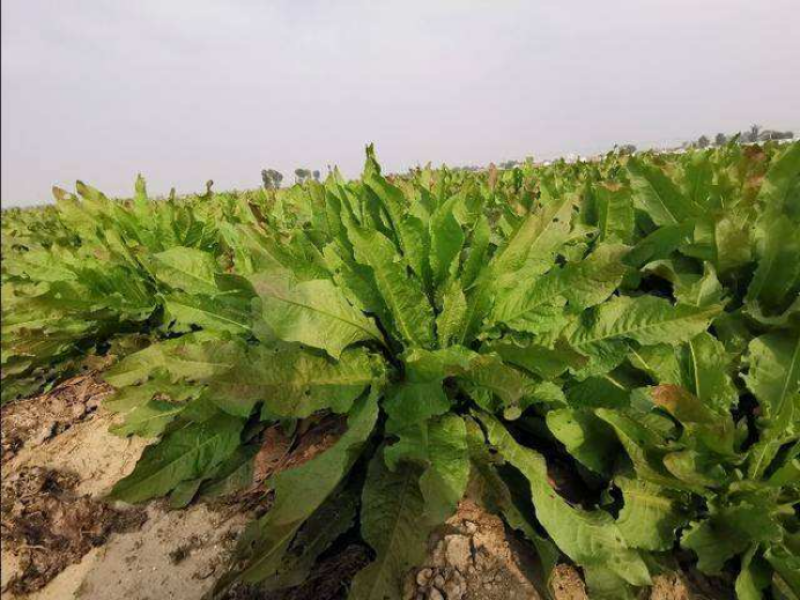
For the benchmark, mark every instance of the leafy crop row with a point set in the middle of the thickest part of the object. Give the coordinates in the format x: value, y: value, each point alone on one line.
x: 631, y: 326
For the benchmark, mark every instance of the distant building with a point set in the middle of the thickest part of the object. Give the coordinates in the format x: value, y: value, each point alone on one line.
x: 769, y: 135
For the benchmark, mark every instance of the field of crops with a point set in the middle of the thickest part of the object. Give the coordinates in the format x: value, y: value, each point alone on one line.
x: 606, y: 355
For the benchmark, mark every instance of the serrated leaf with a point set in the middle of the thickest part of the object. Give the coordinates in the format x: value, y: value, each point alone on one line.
x: 535, y: 240
x: 656, y: 193
x: 730, y: 530
x: 582, y: 284
x: 191, y: 358
x: 411, y: 312
x: 292, y: 382
x: 185, y: 454
x: 645, y: 319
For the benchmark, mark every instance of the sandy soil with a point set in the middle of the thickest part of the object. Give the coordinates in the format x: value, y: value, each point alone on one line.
x: 60, y: 541
x: 170, y: 554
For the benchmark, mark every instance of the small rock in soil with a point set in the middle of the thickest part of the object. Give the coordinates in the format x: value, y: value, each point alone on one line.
x: 458, y: 552
x: 472, y: 558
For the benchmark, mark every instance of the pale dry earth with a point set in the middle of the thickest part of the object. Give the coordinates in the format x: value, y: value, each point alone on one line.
x: 59, y: 460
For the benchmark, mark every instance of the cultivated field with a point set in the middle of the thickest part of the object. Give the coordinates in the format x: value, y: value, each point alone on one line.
x: 545, y: 381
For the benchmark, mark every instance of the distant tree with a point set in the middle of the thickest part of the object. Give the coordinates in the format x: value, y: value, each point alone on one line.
x: 271, y: 179
x: 209, y: 192
x: 755, y: 130
x: 316, y: 174
x: 301, y: 175
x: 626, y: 149
x: 703, y: 142
x: 720, y: 139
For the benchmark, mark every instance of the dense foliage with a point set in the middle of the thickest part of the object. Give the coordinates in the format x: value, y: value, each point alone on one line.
x: 605, y: 354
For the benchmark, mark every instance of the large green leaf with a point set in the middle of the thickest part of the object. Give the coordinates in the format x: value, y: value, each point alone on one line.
x: 188, y: 453
x: 410, y: 309
x: 409, y: 408
x: 645, y: 319
x: 774, y: 378
x: 588, y: 537
x: 336, y: 515
x: 705, y: 371
x: 299, y: 492
x: 391, y: 506
x: 651, y: 515
x: 451, y: 321
x: 729, y: 530
x: 315, y: 313
x: 776, y: 281
x: 447, y: 238
x: 445, y: 480
x: 656, y: 193
x: 488, y: 380
x: 187, y: 269
x: 779, y: 192
x: 189, y: 358
x: 581, y: 284
x: 585, y: 437
x: 218, y: 314
x: 149, y: 420
x: 292, y: 382
x: 614, y: 214
x: 536, y: 239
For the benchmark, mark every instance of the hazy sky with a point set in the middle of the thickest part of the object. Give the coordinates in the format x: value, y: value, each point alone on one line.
x: 187, y: 90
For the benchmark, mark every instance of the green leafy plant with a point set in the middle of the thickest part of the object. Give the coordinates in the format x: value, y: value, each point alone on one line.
x: 630, y: 326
